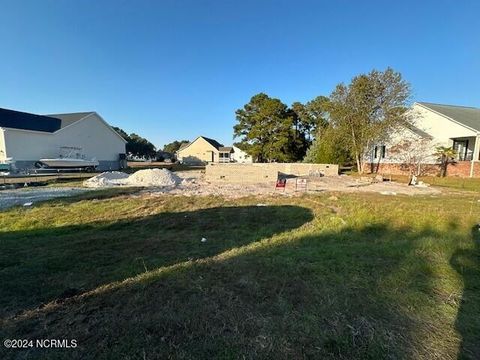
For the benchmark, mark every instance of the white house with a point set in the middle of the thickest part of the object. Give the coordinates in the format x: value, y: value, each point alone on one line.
x: 437, y: 125
x: 26, y: 138
x: 241, y: 156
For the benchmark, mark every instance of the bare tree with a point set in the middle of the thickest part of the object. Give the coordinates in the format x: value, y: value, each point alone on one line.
x: 413, y: 155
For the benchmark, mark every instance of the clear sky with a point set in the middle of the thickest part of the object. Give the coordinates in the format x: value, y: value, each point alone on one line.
x: 175, y: 69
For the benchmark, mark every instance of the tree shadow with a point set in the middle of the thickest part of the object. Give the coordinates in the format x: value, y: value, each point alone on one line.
x: 467, y: 263
x: 334, y: 295
x: 41, y: 265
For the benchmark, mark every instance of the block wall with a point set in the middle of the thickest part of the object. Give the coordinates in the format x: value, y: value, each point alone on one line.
x: 264, y: 172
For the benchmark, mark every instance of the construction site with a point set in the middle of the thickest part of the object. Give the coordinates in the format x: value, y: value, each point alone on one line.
x: 227, y: 180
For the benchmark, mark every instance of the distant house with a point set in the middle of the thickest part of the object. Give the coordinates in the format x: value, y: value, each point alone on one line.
x: 442, y: 125
x: 203, y: 150
x: 241, y: 156
x: 26, y: 138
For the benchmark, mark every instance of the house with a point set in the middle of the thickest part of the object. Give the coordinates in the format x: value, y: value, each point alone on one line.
x: 436, y: 125
x: 204, y: 150
x: 26, y: 138
x: 241, y: 156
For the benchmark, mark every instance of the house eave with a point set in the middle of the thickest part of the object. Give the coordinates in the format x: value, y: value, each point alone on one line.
x: 448, y: 118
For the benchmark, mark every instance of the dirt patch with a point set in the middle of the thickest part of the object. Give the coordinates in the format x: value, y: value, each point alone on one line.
x: 194, y: 184
x: 346, y: 183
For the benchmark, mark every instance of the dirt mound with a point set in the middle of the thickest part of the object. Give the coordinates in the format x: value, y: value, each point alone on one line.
x: 105, y: 179
x: 152, y: 177
x: 147, y: 178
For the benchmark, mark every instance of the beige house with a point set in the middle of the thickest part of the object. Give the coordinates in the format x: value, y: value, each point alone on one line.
x: 204, y: 150
x: 437, y: 125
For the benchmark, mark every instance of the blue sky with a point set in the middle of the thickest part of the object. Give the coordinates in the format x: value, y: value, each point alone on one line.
x: 175, y: 69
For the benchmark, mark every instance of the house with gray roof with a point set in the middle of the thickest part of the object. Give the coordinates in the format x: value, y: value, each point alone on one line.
x: 204, y: 150
x: 25, y: 138
x: 441, y: 125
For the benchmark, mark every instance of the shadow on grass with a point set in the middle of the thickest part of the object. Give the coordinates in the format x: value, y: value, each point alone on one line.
x: 41, y: 265
x: 467, y: 263
x: 337, y: 295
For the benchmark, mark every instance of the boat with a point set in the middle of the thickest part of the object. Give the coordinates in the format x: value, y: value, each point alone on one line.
x: 7, y: 166
x: 69, y: 158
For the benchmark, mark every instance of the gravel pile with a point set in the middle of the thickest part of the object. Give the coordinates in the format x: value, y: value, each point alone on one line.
x: 153, y: 177
x: 145, y: 178
x: 105, y: 179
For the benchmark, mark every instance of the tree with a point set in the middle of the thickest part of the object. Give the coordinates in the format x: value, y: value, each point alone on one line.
x: 413, y: 155
x: 367, y: 110
x: 137, y: 145
x: 174, y: 146
x: 311, y: 116
x: 308, y: 119
x: 327, y: 148
x: 265, y: 129
x: 446, y: 156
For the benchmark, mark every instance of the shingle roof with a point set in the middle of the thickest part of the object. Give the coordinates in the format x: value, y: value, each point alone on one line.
x: 70, y: 118
x: 468, y: 116
x: 26, y: 121
x: 225, y: 148
x: 212, y: 142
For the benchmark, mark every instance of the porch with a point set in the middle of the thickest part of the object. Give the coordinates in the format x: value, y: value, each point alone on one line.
x: 467, y: 150
x: 224, y: 154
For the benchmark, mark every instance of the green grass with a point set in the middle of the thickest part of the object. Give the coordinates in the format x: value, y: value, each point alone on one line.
x: 457, y: 183
x: 470, y: 184
x: 361, y: 277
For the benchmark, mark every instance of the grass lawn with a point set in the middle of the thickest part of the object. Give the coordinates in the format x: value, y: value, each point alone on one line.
x: 458, y: 183
x: 360, y: 276
x: 471, y: 184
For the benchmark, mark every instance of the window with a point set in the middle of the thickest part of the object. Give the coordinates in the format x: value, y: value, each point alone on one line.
x: 379, y: 150
x: 461, y: 148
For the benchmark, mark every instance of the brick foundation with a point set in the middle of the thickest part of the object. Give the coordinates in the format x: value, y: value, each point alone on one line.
x: 458, y: 169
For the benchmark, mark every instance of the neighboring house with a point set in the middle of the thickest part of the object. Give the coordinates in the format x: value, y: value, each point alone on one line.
x: 28, y: 137
x: 241, y: 156
x: 203, y: 150
x: 437, y: 125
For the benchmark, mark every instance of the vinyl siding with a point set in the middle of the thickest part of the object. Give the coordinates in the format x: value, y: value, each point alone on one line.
x: 95, y: 138
x: 3, y: 151
x: 198, y: 151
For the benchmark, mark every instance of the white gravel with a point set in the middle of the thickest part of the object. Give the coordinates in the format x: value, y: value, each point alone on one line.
x: 142, y: 178
x: 105, y: 179
x: 9, y: 198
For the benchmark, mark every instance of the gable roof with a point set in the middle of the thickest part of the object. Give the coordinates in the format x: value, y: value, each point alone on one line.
x: 467, y: 116
x: 45, y: 123
x: 26, y: 121
x: 70, y: 118
x: 212, y: 142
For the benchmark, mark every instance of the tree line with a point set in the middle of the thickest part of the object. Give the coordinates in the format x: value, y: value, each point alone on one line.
x: 339, y: 128
x: 139, y: 146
